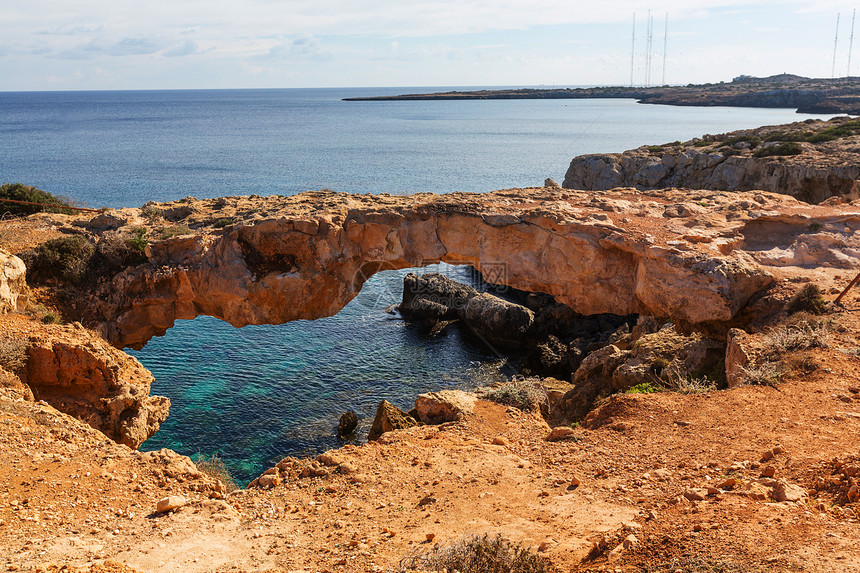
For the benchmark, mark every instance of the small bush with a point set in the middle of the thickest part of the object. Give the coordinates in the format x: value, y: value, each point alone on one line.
x: 221, y: 223
x: 66, y: 259
x: 138, y: 240
x: 13, y: 354
x: 19, y: 192
x: 799, y: 335
x: 764, y: 374
x: 691, y: 384
x: 786, y: 148
x: 214, y: 467
x: 50, y: 318
x: 150, y: 213
x: 478, y: 555
x: 655, y: 148
x: 176, y: 231
x: 808, y: 299
x: 522, y: 394
x: 643, y: 388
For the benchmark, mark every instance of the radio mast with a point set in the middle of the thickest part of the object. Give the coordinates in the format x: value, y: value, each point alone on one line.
x: 649, y: 36
x: 851, y: 43
x: 633, y: 50
x: 835, y: 44
x: 665, y: 39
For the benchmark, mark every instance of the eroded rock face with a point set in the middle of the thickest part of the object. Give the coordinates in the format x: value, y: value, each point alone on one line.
x: 727, y: 162
x: 12, y: 283
x: 82, y: 375
x: 389, y: 417
x: 306, y: 256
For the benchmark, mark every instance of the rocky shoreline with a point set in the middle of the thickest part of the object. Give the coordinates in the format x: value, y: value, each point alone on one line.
x: 808, y: 95
x: 697, y: 408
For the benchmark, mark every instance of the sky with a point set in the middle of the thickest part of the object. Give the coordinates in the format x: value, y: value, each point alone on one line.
x: 203, y: 44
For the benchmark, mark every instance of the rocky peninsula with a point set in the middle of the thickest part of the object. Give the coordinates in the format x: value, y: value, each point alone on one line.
x: 808, y: 95
x: 708, y: 423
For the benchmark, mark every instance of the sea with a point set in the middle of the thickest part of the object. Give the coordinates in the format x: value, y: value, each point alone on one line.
x: 254, y: 395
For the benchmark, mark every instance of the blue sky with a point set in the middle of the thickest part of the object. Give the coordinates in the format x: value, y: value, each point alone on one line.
x: 165, y: 44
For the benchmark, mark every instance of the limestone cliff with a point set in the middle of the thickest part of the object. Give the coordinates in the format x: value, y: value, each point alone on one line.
x: 696, y: 257
x: 81, y: 375
x: 13, y: 287
x: 737, y: 161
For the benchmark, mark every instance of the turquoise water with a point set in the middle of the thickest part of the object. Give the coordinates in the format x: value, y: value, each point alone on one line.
x: 256, y: 394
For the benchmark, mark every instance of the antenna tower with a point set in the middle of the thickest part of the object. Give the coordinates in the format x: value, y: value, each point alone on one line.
x: 835, y: 44
x: 665, y: 39
x: 633, y: 50
x: 650, y: 37
x: 851, y: 42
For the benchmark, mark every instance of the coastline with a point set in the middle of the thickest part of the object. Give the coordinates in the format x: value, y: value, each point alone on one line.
x: 840, y: 95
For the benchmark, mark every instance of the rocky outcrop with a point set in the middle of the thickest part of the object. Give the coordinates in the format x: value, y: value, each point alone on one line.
x: 444, y: 406
x: 696, y: 257
x: 651, y: 361
x: 81, y: 375
x: 389, y: 417
x: 729, y: 162
x: 13, y: 286
x: 306, y: 256
x: 495, y: 320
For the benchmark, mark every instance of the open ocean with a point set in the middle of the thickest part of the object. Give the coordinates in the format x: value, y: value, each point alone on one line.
x: 257, y: 394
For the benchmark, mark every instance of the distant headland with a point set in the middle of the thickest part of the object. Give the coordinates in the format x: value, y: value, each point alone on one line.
x: 808, y: 95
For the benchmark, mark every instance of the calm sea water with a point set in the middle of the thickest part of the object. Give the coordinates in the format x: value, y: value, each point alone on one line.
x: 256, y: 394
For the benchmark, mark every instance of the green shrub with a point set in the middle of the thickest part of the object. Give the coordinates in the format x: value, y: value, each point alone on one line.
x: 224, y: 222
x: 478, y: 555
x: 786, y: 148
x: 19, y: 192
x: 65, y: 259
x: 50, y: 318
x: 643, y: 388
x: 655, y: 148
x: 522, y: 394
x: 808, y: 299
x: 138, y: 240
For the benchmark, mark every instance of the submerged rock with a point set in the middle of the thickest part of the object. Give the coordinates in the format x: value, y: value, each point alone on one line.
x: 347, y: 424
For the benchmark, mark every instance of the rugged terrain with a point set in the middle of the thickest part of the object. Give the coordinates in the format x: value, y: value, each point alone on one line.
x: 757, y: 471
x: 810, y: 160
x: 808, y: 95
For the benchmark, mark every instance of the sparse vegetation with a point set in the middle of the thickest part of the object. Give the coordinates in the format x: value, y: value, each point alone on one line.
x: 808, y: 299
x: 19, y: 192
x: 765, y: 374
x: 175, y: 231
x: 799, y: 334
x: 150, y: 213
x: 138, y: 240
x: 65, y: 259
x: 520, y: 393
x: 691, y: 384
x: 12, y: 354
x: 644, y: 388
x: 223, y: 222
x: 50, y: 318
x: 483, y: 554
x: 214, y: 467
x: 782, y: 149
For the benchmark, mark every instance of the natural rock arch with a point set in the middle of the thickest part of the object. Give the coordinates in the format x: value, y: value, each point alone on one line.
x: 305, y: 257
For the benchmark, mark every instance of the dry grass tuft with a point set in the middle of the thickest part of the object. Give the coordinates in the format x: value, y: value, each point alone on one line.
x: 13, y: 354
x: 478, y: 555
x: 214, y: 467
x: 523, y: 393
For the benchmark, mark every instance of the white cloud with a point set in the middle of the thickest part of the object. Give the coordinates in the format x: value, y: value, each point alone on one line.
x: 186, y: 48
